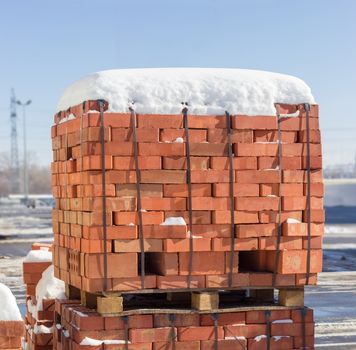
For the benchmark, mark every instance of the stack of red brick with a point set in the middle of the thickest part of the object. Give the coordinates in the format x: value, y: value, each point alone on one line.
x: 191, y: 330
x: 11, y: 333
x: 258, y: 176
x: 38, y: 321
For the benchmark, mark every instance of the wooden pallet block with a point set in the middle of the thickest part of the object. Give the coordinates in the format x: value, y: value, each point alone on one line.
x: 205, y: 300
x: 291, y: 297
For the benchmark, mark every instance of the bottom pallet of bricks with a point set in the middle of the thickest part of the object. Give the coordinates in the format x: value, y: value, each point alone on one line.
x: 250, y: 328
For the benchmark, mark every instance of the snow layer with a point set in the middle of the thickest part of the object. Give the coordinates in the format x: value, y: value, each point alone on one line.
x: 95, y: 342
x: 9, y: 310
x: 174, y: 221
x: 40, y: 255
x: 206, y: 90
x: 48, y: 287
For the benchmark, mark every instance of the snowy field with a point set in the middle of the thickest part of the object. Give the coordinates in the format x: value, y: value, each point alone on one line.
x: 334, y: 299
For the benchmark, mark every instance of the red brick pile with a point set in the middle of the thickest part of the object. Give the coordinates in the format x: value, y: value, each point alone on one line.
x: 258, y: 178
x: 190, y: 330
x: 39, y: 323
x: 11, y: 333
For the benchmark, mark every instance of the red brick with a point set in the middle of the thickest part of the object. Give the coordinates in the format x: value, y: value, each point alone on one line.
x: 133, y: 246
x: 160, y: 121
x: 115, y: 120
x: 208, y: 149
x: 314, y: 136
x: 254, y: 316
x: 165, y: 231
x: 286, y: 243
x: 181, y: 190
x: 134, y: 321
x: 206, y: 121
x: 273, y: 163
x: 256, y: 203
x: 181, y: 345
x: 94, y: 246
x: 237, y: 136
x: 315, y: 163
x: 204, y: 263
x: 224, y: 244
x: 196, y: 163
x: 148, y: 218
x: 119, y: 265
x: 254, y: 122
x: 316, y: 215
x: 210, y: 176
x: 245, y: 231
x: 199, y: 333
x: 257, y: 176
x: 146, y: 190
x: 182, y: 245
x: 315, y: 243
x: 161, y: 149
x: 256, y: 149
x: 212, y: 231
x: 180, y: 320
x: 224, y: 319
x: 238, y: 163
x: 163, y: 203
x: 12, y: 328
x: 210, y: 203
x: 292, y: 123
x: 300, y: 203
x: 241, y: 217
x: 247, y: 331
x: 224, y: 344
x: 144, y: 163
x: 164, y: 176
x: 180, y: 282
x: 142, y: 134
x: 164, y: 264
x: 247, y: 190
x: 301, y: 229
x: 275, y: 343
x: 222, y: 281
x: 133, y: 283
x: 301, y: 176
x: 272, y: 136
x: 199, y: 217
x: 171, y: 135
x: 296, y: 315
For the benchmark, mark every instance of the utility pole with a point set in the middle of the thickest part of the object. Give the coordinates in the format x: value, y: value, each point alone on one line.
x: 25, y: 172
x: 14, y: 156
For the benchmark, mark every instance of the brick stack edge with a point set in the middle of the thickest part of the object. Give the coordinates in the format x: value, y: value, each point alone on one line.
x: 191, y: 331
x: 77, y: 188
x: 34, y: 336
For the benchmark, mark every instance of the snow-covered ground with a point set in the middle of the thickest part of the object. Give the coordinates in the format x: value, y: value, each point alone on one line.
x: 334, y: 299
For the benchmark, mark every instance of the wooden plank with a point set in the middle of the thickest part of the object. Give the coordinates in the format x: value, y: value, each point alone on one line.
x: 266, y: 295
x: 205, y: 300
x: 291, y: 297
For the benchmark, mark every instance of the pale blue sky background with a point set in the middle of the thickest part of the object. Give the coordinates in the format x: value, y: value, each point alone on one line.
x: 45, y: 45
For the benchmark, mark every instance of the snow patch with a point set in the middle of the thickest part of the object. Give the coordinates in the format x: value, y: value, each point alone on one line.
x: 42, y: 329
x: 293, y: 221
x: 258, y: 338
x: 207, y: 90
x: 95, y: 342
x: 9, y: 310
x: 288, y: 320
x: 40, y: 255
x: 178, y: 140
x: 174, y: 221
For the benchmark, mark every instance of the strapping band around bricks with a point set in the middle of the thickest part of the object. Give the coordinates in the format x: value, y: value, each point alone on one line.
x: 101, y: 104
x: 189, y: 183
x: 138, y: 191
x: 307, y: 111
x: 231, y: 193
x: 303, y: 313
x: 125, y: 319
x: 268, y: 329
x: 279, y: 228
x: 215, y: 318
x: 173, y: 336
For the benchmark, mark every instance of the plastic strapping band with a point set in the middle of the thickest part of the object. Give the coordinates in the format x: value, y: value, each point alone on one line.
x: 102, y: 141
x: 215, y: 318
x: 268, y: 328
x: 189, y: 183
x: 307, y: 110
x: 172, y: 319
x: 303, y: 312
x: 279, y: 228
x: 231, y: 193
x: 138, y: 191
x: 125, y: 319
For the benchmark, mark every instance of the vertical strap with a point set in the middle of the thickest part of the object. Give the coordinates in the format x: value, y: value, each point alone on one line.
x: 279, y: 229
x: 307, y: 110
x: 231, y: 193
x: 125, y: 319
x: 189, y: 183
x: 268, y: 328
x: 215, y: 318
x: 103, y: 184
x: 172, y: 319
x: 138, y: 191
x: 303, y: 313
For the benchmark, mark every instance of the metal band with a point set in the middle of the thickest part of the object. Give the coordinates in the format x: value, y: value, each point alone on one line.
x: 172, y: 318
x: 303, y: 313
x: 189, y: 183
x: 215, y: 318
x: 268, y: 328
x: 279, y: 228
x: 138, y: 191
x: 307, y: 110
x: 231, y: 193
x: 125, y: 319
x: 103, y: 183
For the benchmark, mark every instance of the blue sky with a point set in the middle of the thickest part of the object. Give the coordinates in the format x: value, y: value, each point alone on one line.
x: 45, y: 45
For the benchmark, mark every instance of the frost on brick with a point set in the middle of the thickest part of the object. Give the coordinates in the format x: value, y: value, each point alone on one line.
x: 9, y: 310
x: 40, y: 255
x: 207, y: 90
